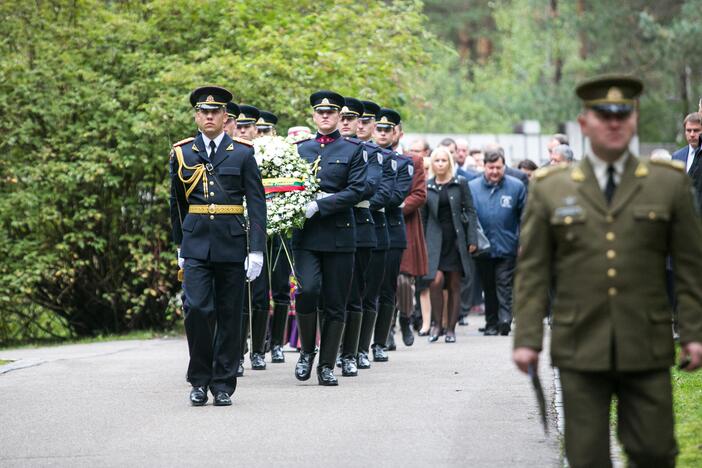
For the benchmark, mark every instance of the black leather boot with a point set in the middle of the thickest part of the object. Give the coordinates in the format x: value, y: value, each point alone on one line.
x: 382, y: 331
x: 280, y: 317
x: 366, y: 335
x: 307, y: 326
x: 406, y: 328
x: 352, y: 334
x: 259, y: 325
x: 328, y: 347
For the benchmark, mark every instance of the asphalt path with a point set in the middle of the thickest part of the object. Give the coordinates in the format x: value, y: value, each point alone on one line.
x: 125, y: 403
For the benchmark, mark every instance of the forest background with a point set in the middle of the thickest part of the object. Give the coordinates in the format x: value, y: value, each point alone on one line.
x: 93, y: 94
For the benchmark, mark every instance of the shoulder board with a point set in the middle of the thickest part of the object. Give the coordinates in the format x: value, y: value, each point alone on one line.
x: 243, y: 141
x: 182, y: 142
x: 673, y: 164
x: 304, y: 138
x: 548, y: 170
x: 370, y: 144
x: 353, y: 140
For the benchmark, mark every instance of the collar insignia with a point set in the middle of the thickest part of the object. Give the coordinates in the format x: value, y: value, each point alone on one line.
x: 577, y: 174
x: 230, y: 147
x: 641, y: 170
x: 195, y: 148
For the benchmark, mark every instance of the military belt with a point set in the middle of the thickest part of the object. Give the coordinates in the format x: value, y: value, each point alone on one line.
x: 213, y: 209
x: 363, y: 204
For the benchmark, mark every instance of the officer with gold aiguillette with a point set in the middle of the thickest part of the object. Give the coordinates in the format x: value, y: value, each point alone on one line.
x: 602, y: 229
x: 211, y: 174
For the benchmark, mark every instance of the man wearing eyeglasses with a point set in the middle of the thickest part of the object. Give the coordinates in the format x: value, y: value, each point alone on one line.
x: 603, y: 229
x: 324, y: 248
x: 211, y: 174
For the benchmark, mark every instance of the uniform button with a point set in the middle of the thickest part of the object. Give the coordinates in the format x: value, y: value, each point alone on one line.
x: 570, y: 236
x: 212, y: 194
x: 611, y: 254
x: 211, y: 182
x: 612, y: 291
x: 610, y: 236
x: 337, y: 160
x: 611, y: 272
x: 610, y: 218
x: 651, y: 215
x: 211, y: 216
x: 321, y: 145
x: 568, y: 220
x: 347, y: 224
x: 367, y: 220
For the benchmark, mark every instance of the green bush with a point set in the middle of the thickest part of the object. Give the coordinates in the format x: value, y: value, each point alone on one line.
x: 92, y: 95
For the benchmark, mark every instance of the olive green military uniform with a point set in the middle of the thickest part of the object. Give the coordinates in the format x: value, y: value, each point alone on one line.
x: 611, y: 331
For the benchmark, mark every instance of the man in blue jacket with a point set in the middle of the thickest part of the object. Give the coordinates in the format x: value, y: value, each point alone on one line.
x: 499, y: 200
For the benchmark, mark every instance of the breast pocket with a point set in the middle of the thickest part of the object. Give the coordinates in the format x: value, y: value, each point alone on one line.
x: 651, y: 223
x: 568, y: 226
x: 337, y: 167
x: 230, y: 177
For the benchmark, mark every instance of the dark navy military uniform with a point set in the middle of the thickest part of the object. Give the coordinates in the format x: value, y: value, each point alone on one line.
x: 324, y: 248
x: 376, y: 265
x: 366, y: 241
x: 214, y: 246
x: 398, y: 242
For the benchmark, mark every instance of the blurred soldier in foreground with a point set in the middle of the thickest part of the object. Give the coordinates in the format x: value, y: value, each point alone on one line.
x: 603, y: 229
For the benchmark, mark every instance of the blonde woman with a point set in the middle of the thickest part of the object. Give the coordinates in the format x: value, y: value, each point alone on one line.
x: 450, y: 230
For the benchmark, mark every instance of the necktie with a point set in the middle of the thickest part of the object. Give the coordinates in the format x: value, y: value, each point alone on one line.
x: 611, y: 186
x: 213, y: 148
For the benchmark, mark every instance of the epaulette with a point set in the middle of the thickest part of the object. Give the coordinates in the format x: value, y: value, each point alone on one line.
x: 371, y: 144
x: 353, y: 140
x: 304, y: 138
x: 673, y: 164
x: 542, y: 172
x: 182, y: 142
x: 243, y: 141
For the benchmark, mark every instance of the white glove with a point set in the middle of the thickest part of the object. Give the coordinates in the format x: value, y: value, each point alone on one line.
x: 253, y: 265
x: 311, y: 209
x: 181, y: 260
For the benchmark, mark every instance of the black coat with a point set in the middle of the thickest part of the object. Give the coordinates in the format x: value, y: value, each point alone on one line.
x: 461, y: 202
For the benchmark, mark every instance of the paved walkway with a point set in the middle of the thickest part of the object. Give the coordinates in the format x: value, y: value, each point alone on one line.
x: 125, y: 403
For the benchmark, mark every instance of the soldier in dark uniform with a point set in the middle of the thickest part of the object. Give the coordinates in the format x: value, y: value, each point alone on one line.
x: 246, y: 122
x: 324, y: 248
x: 230, y: 123
x: 265, y: 125
x: 385, y: 124
x: 210, y: 176
x: 365, y: 237
x: 376, y: 263
x: 602, y: 229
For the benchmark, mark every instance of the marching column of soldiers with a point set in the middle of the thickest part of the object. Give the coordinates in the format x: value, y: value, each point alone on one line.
x: 346, y: 257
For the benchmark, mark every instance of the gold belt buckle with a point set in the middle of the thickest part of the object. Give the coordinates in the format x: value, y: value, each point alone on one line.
x: 212, y: 208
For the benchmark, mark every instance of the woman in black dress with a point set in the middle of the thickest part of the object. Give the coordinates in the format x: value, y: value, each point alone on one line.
x: 450, y: 230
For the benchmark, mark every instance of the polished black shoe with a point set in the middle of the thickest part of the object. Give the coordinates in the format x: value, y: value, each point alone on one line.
x: 348, y: 366
x: 198, y: 396
x: 362, y: 360
x: 481, y: 329
x: 434, y: 334
x: 240, y: 369
x: 450, y: 338
x: 505, y: 328
x: 490, y: 331
x: 258, y: 361
x: 379, y: 353
x: 390, y: 344
x: 326, y: 377
x: 303, y: 368
x: 222, y: 399
x: 406, y: 329
x: 339, y: 362
x: 277, y: 355
x: 463, y: 321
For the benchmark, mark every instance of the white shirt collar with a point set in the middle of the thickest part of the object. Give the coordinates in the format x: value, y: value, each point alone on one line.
x: 217, y: 140
x: 599, y: 167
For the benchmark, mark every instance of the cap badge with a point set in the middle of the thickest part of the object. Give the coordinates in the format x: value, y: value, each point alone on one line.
x: 209, y: 98
x: 614, y: 94
x: 345, y: 110
x: 384, y: 120
x: 325, y: 102
x: 261, y: 121
x: 241, y: 116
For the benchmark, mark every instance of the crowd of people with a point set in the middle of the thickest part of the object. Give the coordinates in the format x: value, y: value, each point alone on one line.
x: 445, y: 230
